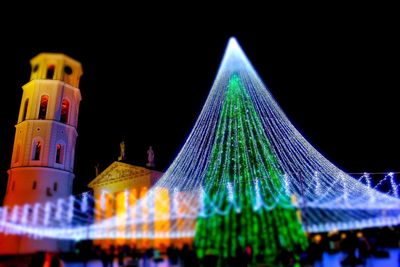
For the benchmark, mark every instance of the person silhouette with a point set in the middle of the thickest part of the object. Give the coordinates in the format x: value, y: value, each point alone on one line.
x: 56, y: 261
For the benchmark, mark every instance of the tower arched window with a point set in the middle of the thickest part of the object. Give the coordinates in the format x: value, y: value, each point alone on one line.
x: 59, y: 153
x: 44, y: 100
x: 55, y: 187
x: 50, y: 72
x: 34, y: 184
x: 64, y: 111
x: 25, y: 109
x: 48, y: 192
x: 37, y: 147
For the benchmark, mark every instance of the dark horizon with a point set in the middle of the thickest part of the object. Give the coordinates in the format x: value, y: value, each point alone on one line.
x: 336, y: 83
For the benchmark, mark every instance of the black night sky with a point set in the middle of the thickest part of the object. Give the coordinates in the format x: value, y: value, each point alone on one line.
x: 336, y: 76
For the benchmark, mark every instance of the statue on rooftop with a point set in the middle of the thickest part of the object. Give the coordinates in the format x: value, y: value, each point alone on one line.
x: 121, y: 151
x: 96, y: 168
x: 150, y: 157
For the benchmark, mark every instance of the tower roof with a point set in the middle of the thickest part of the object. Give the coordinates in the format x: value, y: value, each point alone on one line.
x: 56, y: 66
x: 56, y: 56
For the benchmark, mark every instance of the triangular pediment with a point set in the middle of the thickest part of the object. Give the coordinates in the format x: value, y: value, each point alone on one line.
x: 119, y: 172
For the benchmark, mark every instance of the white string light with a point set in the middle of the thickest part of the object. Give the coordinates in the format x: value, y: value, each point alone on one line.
x: 393, y: 184
x: 84, y: 204
x: 333, y: 199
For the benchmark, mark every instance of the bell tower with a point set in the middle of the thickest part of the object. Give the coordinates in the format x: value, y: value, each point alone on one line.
x: 44, y: 146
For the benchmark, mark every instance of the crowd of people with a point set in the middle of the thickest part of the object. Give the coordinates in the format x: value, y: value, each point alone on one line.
x: 131, y: 256
x: 355, y: 246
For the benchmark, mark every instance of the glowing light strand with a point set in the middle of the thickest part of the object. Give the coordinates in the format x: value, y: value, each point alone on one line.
x: 334, y: 199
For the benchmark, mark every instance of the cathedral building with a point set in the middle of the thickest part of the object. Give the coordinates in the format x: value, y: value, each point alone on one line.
x: 44, y: 146
x: 122, y: 194
x: 112, y: 185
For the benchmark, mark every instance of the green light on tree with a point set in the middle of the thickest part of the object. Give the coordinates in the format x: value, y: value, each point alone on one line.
x: 243, y: 174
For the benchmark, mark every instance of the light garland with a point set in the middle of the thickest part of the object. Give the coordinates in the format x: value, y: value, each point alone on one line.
x: 85, y: 200
x: 257, y: 159
x: 393, y: 184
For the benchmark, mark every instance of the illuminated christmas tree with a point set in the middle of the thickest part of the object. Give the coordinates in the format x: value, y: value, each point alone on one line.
x: 245, y: 202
